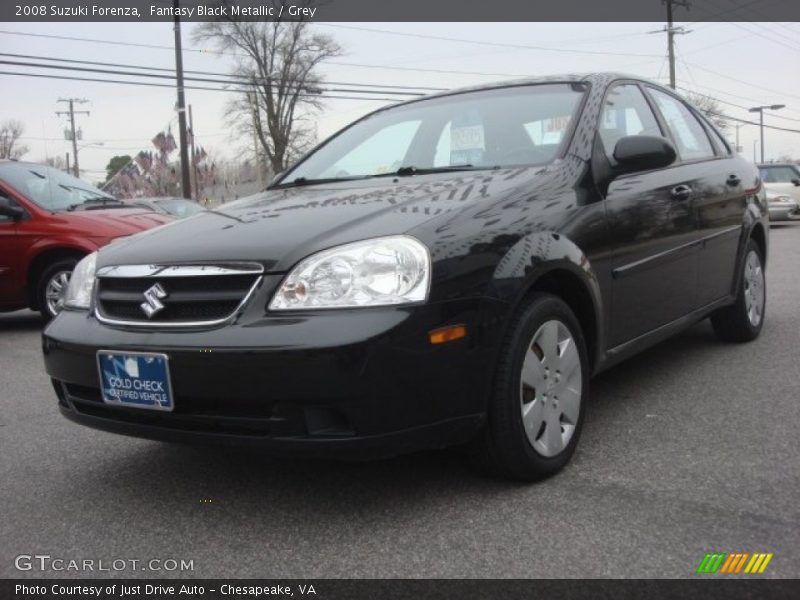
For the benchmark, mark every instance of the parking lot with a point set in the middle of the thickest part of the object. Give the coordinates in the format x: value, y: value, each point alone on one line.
x: 689, y: 448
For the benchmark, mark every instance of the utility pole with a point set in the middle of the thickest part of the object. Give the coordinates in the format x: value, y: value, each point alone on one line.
x: 196, y: 181
x: 73, y: 135
x: 67, y: 162
x: 760, y: 110
x: 671, y: 33
x: 186, y: 185
x: 738, y: 147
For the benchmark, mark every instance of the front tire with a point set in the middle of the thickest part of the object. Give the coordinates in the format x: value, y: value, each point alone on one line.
x: 53, y: 286
x: 743, y: 320
x: 537, y: 407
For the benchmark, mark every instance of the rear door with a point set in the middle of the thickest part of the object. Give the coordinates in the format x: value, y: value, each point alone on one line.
x: 717, y: 180
x: 652, y: 222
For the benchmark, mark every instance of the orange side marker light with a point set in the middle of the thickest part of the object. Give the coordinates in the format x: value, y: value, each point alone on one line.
x: 448, y: 334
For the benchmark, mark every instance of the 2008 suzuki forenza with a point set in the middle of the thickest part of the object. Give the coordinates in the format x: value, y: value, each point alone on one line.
x: 450, y: 270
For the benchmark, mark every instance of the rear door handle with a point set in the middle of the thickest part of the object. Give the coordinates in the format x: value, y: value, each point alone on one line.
x: 733, y: 181
x: 681, y: 192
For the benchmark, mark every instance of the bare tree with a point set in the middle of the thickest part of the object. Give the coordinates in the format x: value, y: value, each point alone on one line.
x: 710, y: 107
x: 280, y: 61
x: 57, y: 162
x: 10, y: 132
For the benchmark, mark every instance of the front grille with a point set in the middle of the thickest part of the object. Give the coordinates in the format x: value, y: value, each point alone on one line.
x: 184, y: 295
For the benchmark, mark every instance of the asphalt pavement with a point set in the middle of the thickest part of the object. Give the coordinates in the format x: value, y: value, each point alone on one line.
x: 691, y: 447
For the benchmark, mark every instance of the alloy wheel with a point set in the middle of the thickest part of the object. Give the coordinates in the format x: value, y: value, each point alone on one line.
x: 56, y: 291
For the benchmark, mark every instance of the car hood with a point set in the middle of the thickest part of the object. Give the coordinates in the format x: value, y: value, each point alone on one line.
x: 281, y: 226
x: 111, y: 222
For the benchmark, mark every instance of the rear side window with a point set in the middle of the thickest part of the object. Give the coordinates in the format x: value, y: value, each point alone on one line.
x: 690, y: 136
x: 626, y: 112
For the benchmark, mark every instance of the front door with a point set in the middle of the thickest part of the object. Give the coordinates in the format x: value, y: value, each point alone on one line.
x: 652, y: 225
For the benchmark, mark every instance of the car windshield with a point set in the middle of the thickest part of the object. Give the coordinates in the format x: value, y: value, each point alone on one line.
x: 520, y: 125
x: 779, y: 174
x: 50, y: 188
x: 179, y: 207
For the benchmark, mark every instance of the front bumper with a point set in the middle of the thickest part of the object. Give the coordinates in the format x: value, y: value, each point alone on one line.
x: 358, y: 383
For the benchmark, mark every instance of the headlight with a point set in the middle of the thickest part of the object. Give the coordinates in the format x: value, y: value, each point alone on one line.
x: 81, y: 283
x: 377, y: 272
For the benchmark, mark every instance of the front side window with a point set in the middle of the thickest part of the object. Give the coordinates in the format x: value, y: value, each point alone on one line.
x: 625, y: 113
x: 513, y: 126
x: 689, y: 134
x: 779, y: 174
x: 49, y: 188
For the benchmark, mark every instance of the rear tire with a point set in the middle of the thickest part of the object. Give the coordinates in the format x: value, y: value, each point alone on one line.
x: 743, y: 320
x: 53, y: 286
x: 537, y: 406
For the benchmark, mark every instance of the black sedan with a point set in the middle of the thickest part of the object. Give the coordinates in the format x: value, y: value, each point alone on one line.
x: 450, y: 270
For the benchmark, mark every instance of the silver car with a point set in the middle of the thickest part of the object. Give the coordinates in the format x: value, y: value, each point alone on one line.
x: 782, y: 207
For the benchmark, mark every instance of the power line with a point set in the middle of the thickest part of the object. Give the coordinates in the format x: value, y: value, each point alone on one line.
x: 775, y: 115
x: 750, y: 14
x: 243, y: 78
x: 492, y: 44
x: 240, y: 54
x: 188, y: 87
x: 748, y: 83
x: 745, y: 121
x: 200, y: 79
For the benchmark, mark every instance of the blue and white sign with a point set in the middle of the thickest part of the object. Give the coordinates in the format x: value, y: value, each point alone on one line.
x: 135, y: 379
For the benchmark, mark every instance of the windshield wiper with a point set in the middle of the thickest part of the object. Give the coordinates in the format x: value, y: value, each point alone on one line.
x: 401, y: 172
x: 306, y: 181
x: 98, y: 202
x: 411, y: 170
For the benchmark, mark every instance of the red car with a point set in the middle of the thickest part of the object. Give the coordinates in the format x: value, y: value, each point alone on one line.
x: 48, y: 221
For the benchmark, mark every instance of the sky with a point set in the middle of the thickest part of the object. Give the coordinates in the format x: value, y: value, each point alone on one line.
x: 746, y: 64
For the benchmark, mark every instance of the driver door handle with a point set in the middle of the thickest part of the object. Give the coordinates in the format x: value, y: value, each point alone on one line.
x: 681, y: 192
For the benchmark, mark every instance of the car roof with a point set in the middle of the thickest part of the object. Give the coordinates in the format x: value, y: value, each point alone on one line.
x: 594, y: 77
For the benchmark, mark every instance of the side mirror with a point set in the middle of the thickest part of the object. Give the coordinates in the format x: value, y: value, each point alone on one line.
x: 7, y: 209
x: 796, y: 182
x: 644, y: 152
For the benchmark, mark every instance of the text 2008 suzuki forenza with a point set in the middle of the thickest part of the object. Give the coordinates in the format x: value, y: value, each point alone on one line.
x: 445, y: 271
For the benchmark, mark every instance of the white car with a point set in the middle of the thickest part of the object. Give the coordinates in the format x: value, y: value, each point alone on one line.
x: 782, y: 207
x: 781, y: 178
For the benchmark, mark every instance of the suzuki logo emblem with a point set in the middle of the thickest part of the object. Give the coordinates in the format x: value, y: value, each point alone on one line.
x: 152, y: 300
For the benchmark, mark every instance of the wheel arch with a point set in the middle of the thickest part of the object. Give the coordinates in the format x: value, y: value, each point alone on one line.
x: 759, y: 235
x: 41, y: 261
x: 550, y: 262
